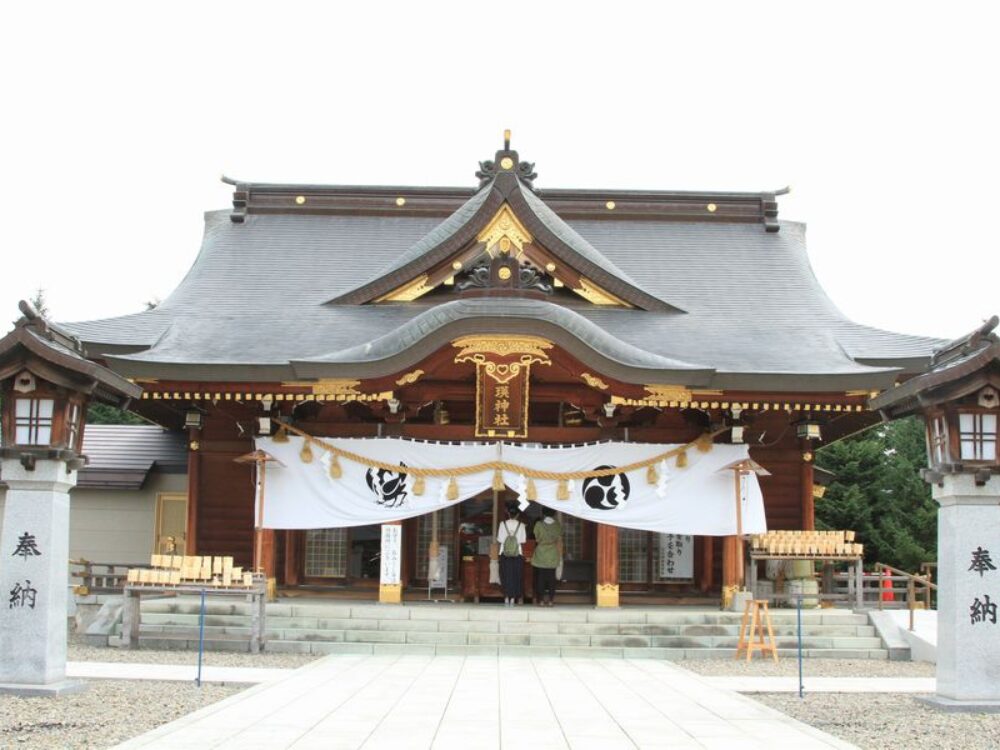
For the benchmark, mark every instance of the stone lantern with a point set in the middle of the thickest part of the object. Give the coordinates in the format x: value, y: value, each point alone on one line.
x: 959, y: 399
x: 46, y: 383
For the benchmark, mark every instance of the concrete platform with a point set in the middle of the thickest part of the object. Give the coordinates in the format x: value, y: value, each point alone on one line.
x: 418, y: 701
x: 52, y: 690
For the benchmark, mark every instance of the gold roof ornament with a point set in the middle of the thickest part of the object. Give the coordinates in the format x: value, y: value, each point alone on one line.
x: 502, y: 346
x: 504, y: 226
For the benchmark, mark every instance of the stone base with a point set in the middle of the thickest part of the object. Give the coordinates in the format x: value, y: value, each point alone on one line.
x: 951, y: 705
x: 607, y: 595
x: 52, y: 690
x: 390, y: 593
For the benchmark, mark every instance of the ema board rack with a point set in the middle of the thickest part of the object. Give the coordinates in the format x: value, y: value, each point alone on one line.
x: 191, y: 570
x: 828, y: 544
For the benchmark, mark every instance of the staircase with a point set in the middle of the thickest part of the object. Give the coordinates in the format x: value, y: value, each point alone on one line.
x: 485, y: 629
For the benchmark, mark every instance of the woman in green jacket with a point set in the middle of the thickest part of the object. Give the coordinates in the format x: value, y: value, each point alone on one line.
x: 545, y: 559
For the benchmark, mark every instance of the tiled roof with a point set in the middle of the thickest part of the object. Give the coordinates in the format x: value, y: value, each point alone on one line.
x: 741, y: 306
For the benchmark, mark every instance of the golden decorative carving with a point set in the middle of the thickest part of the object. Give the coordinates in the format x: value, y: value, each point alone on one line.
x: 607, y: 595
x: 408, y: 292
x: 504, y: 225
x: 597, y: 296
x: 593, y: 381
x: 504, y: 273
x: 410, y: 377
x: 506, y: 162
x: 502, y: 372
x: 331, y: 389
x: 662, y: 392
x: 502, y: 346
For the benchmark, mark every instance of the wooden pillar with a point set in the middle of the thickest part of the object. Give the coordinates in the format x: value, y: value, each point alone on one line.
x: 292, y: 542
x: 390, y: 590
x: 808, y: 501
x: 607, y: 565
x: 706, y: 576
x: 193, y: 482
x: 731, y: 577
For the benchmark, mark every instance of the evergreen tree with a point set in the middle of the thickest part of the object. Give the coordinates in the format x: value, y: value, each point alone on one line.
x: 878, y: 492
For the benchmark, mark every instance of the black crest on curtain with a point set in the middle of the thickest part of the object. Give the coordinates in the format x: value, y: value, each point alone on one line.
x: 606, y: 493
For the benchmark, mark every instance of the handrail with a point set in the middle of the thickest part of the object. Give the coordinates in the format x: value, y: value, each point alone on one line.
x: 912, y: 579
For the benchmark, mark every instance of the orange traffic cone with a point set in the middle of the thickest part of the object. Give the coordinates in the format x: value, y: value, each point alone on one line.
x: 887, y: 594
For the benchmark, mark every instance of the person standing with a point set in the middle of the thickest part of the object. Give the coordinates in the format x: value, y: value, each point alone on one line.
x: 546, y: 557
x: 511, y: 535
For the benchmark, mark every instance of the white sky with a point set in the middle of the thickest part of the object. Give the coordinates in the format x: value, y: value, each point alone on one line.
x: 119, y: 118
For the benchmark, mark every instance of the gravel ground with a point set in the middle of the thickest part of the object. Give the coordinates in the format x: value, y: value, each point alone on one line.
x: 810, y: 668
x: 80, y: 651
x: 888, y: 721
x: 103, y: 715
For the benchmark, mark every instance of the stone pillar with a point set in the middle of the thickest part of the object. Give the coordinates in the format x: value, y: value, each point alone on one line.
x: 607, y: 565
x: 390, y: 588
x: 34, y: 578
x: 968, y: 637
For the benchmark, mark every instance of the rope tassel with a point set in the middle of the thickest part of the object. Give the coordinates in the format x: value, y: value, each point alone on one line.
x: 704, y: 443
x: 452, y: 489
x: 498, y: 484
x: 281, y: 436
x: 562, y: 490
x: 418, y: 485
x: 335, y: 471
x: 682, y: 459
x: 531, y: 493
x: 651, y: 475
x: 306, y: 454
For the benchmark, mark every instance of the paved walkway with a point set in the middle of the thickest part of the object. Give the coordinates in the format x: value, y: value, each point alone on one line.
x: 440, y: 702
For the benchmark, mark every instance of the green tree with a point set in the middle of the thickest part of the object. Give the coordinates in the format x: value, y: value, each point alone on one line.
x: 878, y: 492
x: 104, y: 414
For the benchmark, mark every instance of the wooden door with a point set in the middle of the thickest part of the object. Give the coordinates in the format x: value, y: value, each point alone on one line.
x: 170, y: 531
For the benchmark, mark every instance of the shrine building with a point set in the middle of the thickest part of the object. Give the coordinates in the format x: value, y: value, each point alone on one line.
x: 503, y: 311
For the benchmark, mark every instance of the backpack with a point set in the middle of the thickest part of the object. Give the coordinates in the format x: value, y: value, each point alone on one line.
x: 511, y: 548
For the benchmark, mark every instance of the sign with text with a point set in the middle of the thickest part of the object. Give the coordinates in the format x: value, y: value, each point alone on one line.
x: 392, y: 544
x: 677, y: 556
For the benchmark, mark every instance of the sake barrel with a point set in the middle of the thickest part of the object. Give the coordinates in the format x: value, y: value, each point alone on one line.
x: 799, y: 569
x: 804, y: 586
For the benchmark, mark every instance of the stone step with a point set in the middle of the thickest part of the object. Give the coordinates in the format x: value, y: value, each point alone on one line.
x: 564, y: 628
x: 499, y: 649
x: 560, y: 640
x: 478, y: 613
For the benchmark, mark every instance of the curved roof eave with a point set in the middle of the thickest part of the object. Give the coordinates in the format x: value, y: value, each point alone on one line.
x: 437, y: 326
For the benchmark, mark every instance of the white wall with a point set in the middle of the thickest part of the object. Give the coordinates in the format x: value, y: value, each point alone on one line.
x: 115, y: 525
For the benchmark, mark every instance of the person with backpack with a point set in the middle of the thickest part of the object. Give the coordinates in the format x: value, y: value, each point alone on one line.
x: 511, y: 536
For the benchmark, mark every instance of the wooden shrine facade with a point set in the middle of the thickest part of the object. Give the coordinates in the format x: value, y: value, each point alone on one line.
x: 565, y: 402
x: 499, y: 312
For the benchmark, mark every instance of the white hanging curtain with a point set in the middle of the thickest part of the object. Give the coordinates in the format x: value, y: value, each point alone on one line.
x: 694, y: 498
x: 305, y: 495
